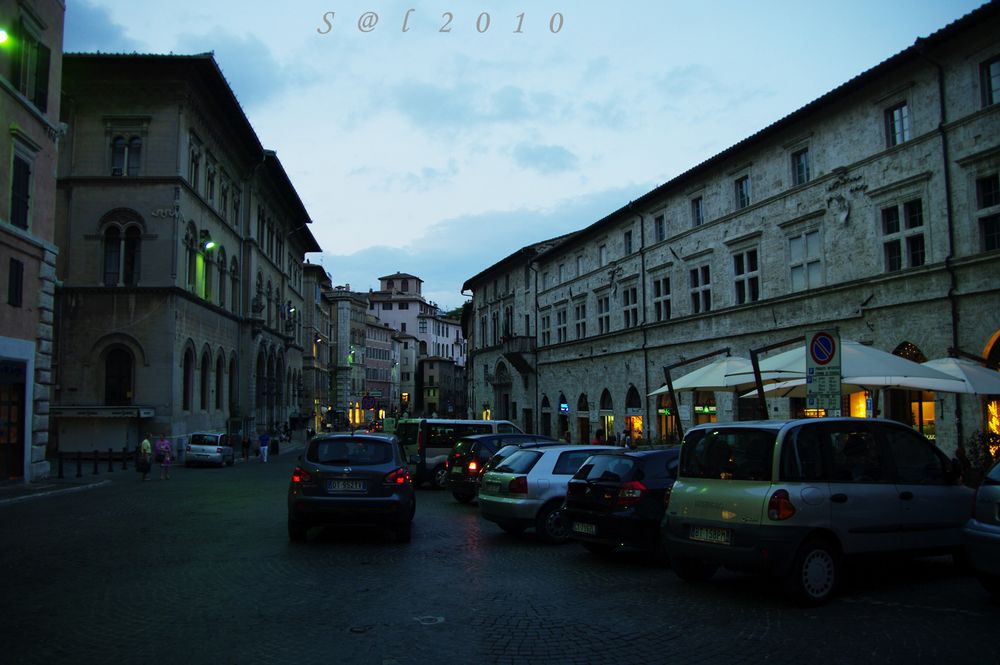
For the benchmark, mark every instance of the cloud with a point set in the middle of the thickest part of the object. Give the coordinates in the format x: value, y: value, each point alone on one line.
x: 90, y: 28
x: 546, y: 159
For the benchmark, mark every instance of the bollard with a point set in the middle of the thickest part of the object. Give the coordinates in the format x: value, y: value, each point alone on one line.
x: 96, y: 457
x: 124, y: 458
x: 111, y: 467
x: 60, y: 466
x: 79, y: 463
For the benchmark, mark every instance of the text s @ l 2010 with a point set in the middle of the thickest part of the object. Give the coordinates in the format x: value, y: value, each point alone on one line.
x: 481, y: 23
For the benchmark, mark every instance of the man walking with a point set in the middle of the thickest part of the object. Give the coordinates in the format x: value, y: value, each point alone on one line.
x: 265, y: 445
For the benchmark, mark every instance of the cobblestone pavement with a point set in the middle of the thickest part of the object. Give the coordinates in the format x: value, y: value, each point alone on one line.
x: 198, y: 569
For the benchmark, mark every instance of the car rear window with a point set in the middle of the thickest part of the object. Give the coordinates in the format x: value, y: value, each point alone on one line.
x: 463, y: 446
x: 612, y: 468
x: 205, y: 440
x: 521, y: 461
x: 570, y: 462
x: 349, y: 451
x: 737, y: 453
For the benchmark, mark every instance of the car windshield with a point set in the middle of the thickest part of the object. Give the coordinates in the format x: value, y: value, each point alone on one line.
x: 728, y: 453
x: 349, y: 451
x: 520, y: 461
x: 204, y: 440
x: 613, y: 468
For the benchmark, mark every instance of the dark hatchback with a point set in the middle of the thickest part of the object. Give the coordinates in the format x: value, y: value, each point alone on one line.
x: 618, y: 498
x: 470, y: 454
x: 360, y: 478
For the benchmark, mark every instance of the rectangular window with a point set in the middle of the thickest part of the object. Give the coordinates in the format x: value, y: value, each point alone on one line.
x: 15, y: 283
x: 897, y: 124
x: 701, y: 290
x: 630, y: 307
x: 20, y: 192
x: 661, y: 298
x: 580, y: 317
x: 989, y: 228
x: 403, y: 305
x: 545, y: 280
x: 805, y: 261
x: 659, y: 228
x: 742, y: 192
x: 989, y: 80
x: 800, y: 167
x: 628, y: 242
x: 602, y: 255
x: 386, y: 306
x: 697, y: 212
x: 603, y: 314
x: 903, y: 237
x: 561, y: 326
x: 579, y: 266
x: 546, y: 334
x: 561, y: 273
x: 988, y: 191
x: 747, y: 277
x: 30, y: 64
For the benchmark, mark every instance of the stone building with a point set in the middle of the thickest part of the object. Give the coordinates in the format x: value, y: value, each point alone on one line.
x: 182, y: 246
x: 874, y: 209
x: 30, y: 74
x: 348, y: 317
x: 317, y: 359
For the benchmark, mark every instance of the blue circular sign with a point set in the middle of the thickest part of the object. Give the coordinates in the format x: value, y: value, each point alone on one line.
x: 822, y: 348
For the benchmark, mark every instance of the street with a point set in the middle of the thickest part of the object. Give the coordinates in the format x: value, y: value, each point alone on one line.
x: 198, y: 569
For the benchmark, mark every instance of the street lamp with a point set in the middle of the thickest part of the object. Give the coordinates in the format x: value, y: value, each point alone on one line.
x: 206, y: 240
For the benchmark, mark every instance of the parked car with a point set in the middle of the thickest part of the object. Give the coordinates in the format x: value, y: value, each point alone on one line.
x: 527, y: 489
x: 617, y: 498
x: 982, y: 532
x: 792, y: 498
x: 431, y: 440
x: 209, y: 448
x: 510, y: 448
x: 359, y: 478
x: 469, y: 456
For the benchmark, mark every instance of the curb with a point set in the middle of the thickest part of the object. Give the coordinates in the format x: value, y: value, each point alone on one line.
x: 39, y: 493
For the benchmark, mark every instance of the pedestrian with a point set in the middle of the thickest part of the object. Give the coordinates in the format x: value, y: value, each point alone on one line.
x: 246, y: 447
x: 142, y: 461
x: 164, y: 456
x: 265, y: 445
x: 598, y: 438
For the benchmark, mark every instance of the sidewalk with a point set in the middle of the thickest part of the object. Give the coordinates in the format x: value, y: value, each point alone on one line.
x: 17, y: 491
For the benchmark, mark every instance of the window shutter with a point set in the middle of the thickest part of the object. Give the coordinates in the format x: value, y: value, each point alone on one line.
x: 19, y: 193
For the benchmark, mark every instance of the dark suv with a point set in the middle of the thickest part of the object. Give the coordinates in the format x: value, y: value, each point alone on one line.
x: 617, y: 498
x: 359, y: 478
x: 470, y: 454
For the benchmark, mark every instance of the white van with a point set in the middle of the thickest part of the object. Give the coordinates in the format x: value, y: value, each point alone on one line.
x: 431, y: 439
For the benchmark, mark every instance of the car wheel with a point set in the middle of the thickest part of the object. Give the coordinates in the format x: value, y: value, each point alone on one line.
x: 512, y: 529
x: 404, y: 532
x: 551, y: 524
x: 297, y: 531
x: 463, y: 497
x: 439, y: 478
x: 692, y: 570
x: 815, y: 573
x: 601, y: 549
x: 991, y: 583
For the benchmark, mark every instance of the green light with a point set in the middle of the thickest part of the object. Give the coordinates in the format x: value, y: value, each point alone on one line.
x: 210, y: 244
x: 3, y: 36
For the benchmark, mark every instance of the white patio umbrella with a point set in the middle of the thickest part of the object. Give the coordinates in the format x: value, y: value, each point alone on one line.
x: 866, y: 366
x: 728, y: 373
x: 976, y: 379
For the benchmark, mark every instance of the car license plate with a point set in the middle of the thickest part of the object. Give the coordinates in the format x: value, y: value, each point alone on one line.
x: 455, y: 470
x: 345, y: 486
x: 710, y: 534
x: 491, y: 486
x: 581, y: 527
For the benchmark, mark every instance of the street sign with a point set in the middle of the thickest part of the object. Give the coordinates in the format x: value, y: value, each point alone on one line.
x: 823, y: 371
x: 367, y: 402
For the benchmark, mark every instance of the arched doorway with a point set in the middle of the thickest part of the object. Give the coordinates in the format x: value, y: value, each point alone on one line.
x: 633, y: 415
x: 562, y: 422
x: 582, y: 419
x: 665, y: 421
x: 913, y: 407
x: 501, y: 391
x: 118, y: 377
x: 606, y: 415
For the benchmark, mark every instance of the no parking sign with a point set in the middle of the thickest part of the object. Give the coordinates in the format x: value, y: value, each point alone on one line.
x: 823, y: 371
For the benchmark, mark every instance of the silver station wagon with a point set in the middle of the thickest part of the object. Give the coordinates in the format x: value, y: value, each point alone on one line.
x: 792, y: 498
x: 209, y: 448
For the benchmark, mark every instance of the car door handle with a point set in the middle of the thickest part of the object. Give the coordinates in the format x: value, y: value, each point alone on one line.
x: 839, y: 498
x: 906, y: 496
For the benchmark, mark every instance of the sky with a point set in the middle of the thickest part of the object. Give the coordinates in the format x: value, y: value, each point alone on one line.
x: 436, y: 138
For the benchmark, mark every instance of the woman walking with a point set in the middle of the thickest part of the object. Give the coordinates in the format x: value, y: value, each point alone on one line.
x: 164, y: 456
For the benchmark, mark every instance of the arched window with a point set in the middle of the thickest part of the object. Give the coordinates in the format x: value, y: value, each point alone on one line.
x: 112, y: 255
x: 188, y: 386
x: 234, y: 392
x: 205, y: 369
x: 191, y: 246
x: 223, y: 267
x: 234, y: 275
x: 118, y: 377
x: 209, y: 274
x: 130, y: 263
x: 218, y: 383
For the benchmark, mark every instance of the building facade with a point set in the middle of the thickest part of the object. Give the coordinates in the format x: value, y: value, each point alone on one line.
x: 874, y: 210
x: 183, y: 242
x: 348, y: 315
x: 317, y: 358
x: 30, y: 79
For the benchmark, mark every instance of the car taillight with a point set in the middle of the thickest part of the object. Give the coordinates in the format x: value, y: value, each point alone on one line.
x: 780, y: 506
x: 399, y: 476
x: 518, y: 485
x: 300, y: 475
x: 630, y: 493
x: 473, y: 466
x: 218, y: 450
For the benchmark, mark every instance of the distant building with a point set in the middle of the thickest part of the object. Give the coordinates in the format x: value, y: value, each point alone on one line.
x: 181, y: 296
x: 31, y: 72
x: 317, y: 357
x: 348, y: 316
